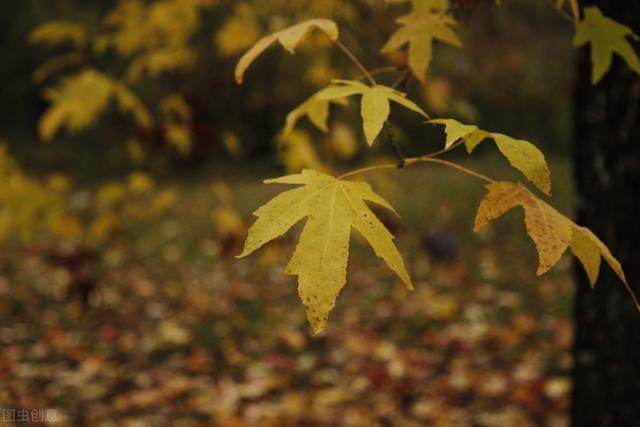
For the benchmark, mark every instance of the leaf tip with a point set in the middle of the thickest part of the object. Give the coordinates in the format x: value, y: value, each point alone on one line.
x: 243, y: 254
x: 543, y: 268
x: 239, y: 72
x: 480, y: 222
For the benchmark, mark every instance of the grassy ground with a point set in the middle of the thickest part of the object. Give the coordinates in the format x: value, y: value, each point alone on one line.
x: 180, y: 333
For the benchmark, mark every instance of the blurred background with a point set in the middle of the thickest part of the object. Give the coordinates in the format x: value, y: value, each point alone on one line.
x: 129, y: 167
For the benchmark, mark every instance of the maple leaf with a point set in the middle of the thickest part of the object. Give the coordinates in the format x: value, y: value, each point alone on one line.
x: 419, y: 29
x: 606, y: 37
x: 288, y: 38
x: 332, y: 207
x: 374, y: 106
x: 551, y: 232
x: 296, y: 152
x: 157, y: 61
x: 522, y: 155
x: 56, y: 32
x: 239, y: 32
x: 78, y: 100
x: 315, y: 108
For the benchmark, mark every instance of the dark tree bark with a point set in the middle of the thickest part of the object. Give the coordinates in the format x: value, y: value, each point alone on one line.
x: 606, y: 374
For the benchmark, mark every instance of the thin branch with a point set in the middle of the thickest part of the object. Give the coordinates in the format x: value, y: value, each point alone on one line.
x: 413, y: 160
x: 394, y: 144
x: 428, y: 158
x: 402, y: 81
x: 444, y: 150
x: 399, y: 83
x: 452, y: 165
x: 633, y: 295
x: 356, y: 62
x: 380, y: 70
x: 367, y: 169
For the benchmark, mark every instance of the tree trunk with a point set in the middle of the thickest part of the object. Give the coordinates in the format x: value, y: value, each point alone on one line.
x: 606, y: 375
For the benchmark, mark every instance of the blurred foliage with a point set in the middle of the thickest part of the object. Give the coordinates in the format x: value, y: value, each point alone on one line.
x: 140, y: 56
x: 31, y: 207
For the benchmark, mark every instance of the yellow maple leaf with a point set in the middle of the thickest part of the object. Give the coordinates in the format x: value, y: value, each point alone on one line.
x: 606, y: 37
x: 342, y: 142
x: 140, y: 182
x: 551, y: 231
x: 228, y: 222
x: 296, y: 152
x: 55, y: 64
x: 164, y: 201
x: 522, y: 155
x: 179, y: 136
x: 239, y: 32
x: 109, y: 195
x: 419, y: 29
x: 315, y: 108
x: 175, y: 108
x: 78, y: 100
x: 128, y: 102
x: 288, y: 38
x: 178, y: 123
x: 332, y: 207
x: 55, y: 32
x: 374, y: 106
x: 159, y: 60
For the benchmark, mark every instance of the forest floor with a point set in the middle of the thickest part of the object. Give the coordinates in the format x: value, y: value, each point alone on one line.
x: 178, y: 332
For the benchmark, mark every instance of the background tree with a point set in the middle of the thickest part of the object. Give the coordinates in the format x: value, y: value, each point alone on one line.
x: 606, y: 386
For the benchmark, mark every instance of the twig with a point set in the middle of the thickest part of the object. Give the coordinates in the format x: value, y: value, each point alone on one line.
x: 367, y: 169
x: 378, y: 71
x: 394, y: 144
x: 444, y: 150
x: 456, y: 166
x: 428, y: 158
x: 401, y: 82
x: 355, y: 61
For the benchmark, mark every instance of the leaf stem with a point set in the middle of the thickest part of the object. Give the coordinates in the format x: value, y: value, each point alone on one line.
x: 428, y: 158
x: 367, y: 169
x: 633, y: 295
x: 394, y: 144
x: 401, y: 82
x: 380, y: 70
x: 356, y: 62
